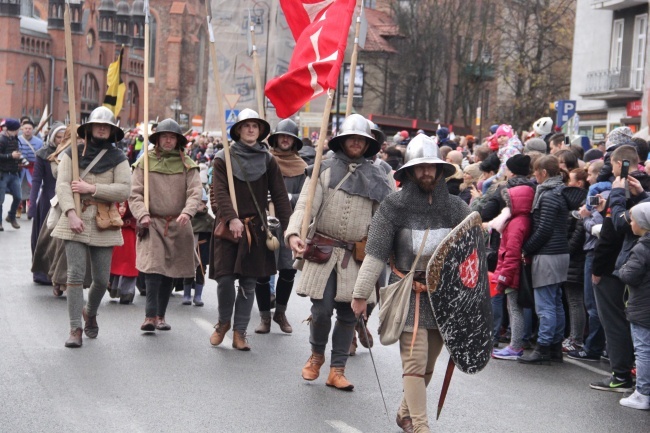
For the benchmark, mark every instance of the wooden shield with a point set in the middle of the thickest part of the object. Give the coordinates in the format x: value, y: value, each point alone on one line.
x: 457, y: 279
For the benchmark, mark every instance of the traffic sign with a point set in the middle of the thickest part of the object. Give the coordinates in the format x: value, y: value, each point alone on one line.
x: 231, y: 117
x: 565, y: 110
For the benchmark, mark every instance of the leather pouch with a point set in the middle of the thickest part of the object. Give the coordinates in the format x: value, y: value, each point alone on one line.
x: 317, y: 253
x: 108, y: 217
x: 359, y: 252
x: 221, y: 231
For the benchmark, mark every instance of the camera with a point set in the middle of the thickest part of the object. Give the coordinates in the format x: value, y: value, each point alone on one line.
x: 24, y: 161
x: 594, y: 200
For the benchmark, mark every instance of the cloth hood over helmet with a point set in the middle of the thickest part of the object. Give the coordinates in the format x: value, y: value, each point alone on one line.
x: 101, y: 116
x: 286, y: 127
x: 169, y: 126
x: 423, y: 150
x: 355, y: 124
x: 245, y: 115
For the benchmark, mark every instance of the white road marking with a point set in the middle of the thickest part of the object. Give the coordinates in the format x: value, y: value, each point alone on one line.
x: 342, y: 427
x: 586, y: 366
x: 204, y: 324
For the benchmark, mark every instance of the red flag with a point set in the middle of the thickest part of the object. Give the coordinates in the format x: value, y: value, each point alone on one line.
x: 320, y: 28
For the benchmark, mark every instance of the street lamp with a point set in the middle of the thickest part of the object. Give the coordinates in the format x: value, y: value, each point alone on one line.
x: 486, y: 58
x: 176, y: 107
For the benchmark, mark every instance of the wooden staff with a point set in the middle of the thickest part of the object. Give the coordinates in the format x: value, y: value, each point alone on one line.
x: 256, y: 69
x: 69, y: 57
x: 145, y: 135
x: 313, y: 181
x: 222, y: 112
x: 353, y: 62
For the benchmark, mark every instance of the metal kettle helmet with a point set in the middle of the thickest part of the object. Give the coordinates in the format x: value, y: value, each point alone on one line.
x: 248, y: 114
x: 286, y: 127
x: 169, y: 125
x: 423, y: 150
x: 355, y: 124
x: 101, y: 116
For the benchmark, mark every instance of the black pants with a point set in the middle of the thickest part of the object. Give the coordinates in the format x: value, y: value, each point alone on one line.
x: 159, y: 288
x: 610, y: 300
x: 283, y: 287
x: 199, y: 279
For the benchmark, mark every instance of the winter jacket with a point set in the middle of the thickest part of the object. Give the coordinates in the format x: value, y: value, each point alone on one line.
x: 495, y: 203
x: 549, y: 235
x: 7, y: 146
x: 514, y: 235
x: 635, y: 274
x: 607, y: 249
x: 576, y: 236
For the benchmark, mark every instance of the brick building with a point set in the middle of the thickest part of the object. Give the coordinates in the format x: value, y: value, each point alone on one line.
x: 32, y: 43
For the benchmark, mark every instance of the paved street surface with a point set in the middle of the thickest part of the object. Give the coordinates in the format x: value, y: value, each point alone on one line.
x: 175, y: 381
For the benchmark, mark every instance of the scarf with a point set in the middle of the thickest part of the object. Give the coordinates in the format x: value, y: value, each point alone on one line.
x: 167, y: 162
x: 291, y: 165
x: 549, y: 184
x: 254, y: 159
x: 367, y: 180
x: 111, y: 158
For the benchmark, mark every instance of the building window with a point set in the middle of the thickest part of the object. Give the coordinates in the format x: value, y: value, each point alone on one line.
x: 638, y: 52
x: 132, y: 103
x: 89, y: 95
x: 33, y: 91
x: 617, y: 45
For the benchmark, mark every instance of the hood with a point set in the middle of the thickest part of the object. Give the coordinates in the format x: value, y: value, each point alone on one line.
x: 574, y: 196
x: 520, y: 199
x: 645, y: 240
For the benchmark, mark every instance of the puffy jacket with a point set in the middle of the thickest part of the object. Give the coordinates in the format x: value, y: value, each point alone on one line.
x: 493, y: 205
x: 576, y: 235
x: 549, y: 235
x: 635, y: 274
x: 7, y: 146
x: 514, y: 235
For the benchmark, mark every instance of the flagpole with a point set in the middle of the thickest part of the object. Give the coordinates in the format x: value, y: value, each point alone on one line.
x: 313, y: 181
x: 256, y: 69
x: 353, y: 61
x: 69, y: 57
x: 145, y: 134
x: 222, y: 112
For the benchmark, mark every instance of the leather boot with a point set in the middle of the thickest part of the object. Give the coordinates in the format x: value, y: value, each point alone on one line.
x: 198, y: 291
x: 365, y: 342
x: 187, y: 294
x: 13, y: 222
x: 239, y: 340
x: 556, y: 352
x: 406, y: 423
x: 353, y: 345
x: 265, y: 323
x: 338, y: 380
x: 75, y: 338
x: 311, y: 370
x: 149, y: 324
x: 541, y: 355
x: 56, y: 290
x: 219, y: 333
x: 161, y: 325
x: 91, y: 329
x: 281, y: 319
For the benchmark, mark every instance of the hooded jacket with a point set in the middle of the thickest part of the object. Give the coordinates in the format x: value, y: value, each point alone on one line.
x: 515, y: 234
x: 549, y: 235
x: 635, y: 274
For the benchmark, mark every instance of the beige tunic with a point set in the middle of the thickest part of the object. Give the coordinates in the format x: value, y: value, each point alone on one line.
x: 112, y: 186
x: 347, y: 217
x: 170, y: 254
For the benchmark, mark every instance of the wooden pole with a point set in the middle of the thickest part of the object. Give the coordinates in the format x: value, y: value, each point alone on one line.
x: 256, y: 69
x: 353, y: 62
x: 145, y: 134
x: 222, y: 112
x: 69, y: 57
x: 313, y: 181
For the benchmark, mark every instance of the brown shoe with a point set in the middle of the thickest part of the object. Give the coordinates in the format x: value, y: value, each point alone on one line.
x: 353, y: 345
x: 219, y: 333
x: 91, y: 329
x: 149, y: 324
x: 265, y: 325
x: 338, y: 380
x: 281, y: 319
x: 13, y: 222
x: 75, y: 338
x: 56, y: 290
x: 406, y: 423
x: 311, y: 370
x: 161, y: 325
x: 365, y: 342
x: 239, y: 341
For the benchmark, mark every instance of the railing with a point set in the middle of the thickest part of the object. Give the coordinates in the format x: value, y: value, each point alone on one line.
x: 614, y: 79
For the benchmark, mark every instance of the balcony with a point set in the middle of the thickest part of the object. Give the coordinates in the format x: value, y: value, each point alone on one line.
x: 615, y: 85
x: 480, y: 71
x: 615, y: 5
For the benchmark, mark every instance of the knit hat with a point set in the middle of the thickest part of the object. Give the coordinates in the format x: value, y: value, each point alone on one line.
x: 27, y: 121
x: 12, y: 125
x: 620, y: 135
x: 543, y: 126
x: 641, y: 214
x: 491, y: 163
x: 504, y: 130
x: 535, y: 144
x: 442, y: 133
x: 592, y: 154
x: 493, y: 129
x: 519, y: 164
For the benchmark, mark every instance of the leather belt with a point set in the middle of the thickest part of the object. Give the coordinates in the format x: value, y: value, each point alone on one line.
x: 320, y: 239
x: 418, y: 288
x: 168, y: 219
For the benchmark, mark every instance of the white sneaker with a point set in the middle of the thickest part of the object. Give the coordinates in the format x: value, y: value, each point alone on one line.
x: 636, y: 401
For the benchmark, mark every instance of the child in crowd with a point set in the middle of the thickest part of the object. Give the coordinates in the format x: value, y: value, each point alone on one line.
x: 123, y: 271
x: 202, y: 224
x: 634, y: 273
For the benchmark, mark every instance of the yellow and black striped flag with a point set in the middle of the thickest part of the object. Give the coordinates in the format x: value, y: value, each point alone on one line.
x: 115, y: 86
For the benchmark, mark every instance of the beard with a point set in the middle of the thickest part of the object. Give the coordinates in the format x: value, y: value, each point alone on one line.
x: 426, y: 183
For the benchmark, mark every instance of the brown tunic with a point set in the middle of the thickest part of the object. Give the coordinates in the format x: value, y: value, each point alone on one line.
x: 227, y: 258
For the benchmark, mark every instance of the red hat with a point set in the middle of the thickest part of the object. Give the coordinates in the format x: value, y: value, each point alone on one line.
x: 404, y: 134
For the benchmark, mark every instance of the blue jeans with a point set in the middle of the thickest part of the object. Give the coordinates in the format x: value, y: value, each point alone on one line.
x: 549, y: 309
x: 10, y: 184
x: 641, y: 338
x: 595, y: 341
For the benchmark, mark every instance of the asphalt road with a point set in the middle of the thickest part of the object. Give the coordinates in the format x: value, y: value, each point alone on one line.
x: 125, y: 381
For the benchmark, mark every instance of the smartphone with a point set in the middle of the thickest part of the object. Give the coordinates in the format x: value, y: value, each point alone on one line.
x: 625, y: 170
x: 567, y: 141
x: 594, y: 200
